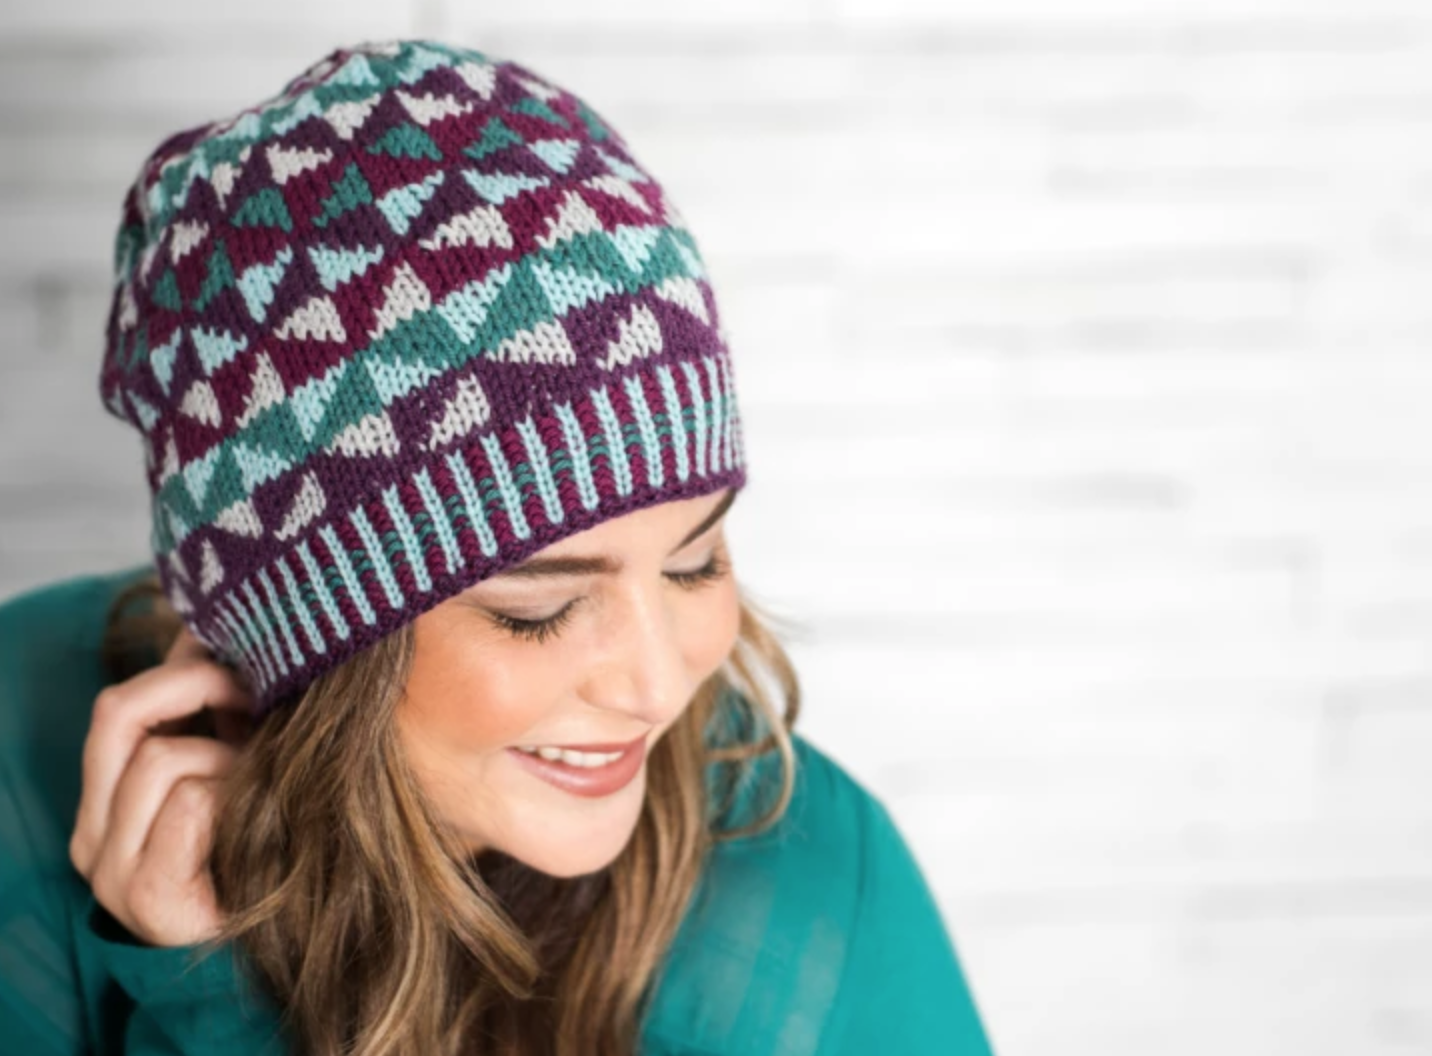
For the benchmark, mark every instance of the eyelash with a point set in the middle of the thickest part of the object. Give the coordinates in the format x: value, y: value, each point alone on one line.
x: 541, y: 630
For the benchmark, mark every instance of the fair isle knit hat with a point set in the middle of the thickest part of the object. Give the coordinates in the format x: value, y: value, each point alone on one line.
x: 392, y: 330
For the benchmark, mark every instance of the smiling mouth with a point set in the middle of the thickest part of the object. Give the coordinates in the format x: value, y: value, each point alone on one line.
x: 598, y: 774
x: 605, y: 748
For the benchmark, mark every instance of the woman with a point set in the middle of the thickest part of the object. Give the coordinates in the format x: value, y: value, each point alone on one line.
x: 438, y: 723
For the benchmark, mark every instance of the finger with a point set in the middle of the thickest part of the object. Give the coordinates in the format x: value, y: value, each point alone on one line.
x: 125, y: 713
x: 179, y: 840
x: 187, y: 646
x: 171, y: 891
x: 158, y: 765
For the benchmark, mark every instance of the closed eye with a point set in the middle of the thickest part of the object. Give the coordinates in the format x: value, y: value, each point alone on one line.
x: 541, y: 630
x: 713, y: 570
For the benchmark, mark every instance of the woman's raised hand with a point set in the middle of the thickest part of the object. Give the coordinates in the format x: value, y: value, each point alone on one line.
x: 147, y: 803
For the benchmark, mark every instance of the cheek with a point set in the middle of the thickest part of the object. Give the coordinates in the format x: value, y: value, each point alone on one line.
x: 711, y: 626
x: 467, y: 695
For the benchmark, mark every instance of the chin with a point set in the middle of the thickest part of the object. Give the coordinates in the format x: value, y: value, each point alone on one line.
x: 562, y: 859
x: 578, y: 837
x: 565, y: 865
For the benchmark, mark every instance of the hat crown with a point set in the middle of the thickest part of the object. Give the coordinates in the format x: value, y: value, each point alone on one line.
x: 409, y: 319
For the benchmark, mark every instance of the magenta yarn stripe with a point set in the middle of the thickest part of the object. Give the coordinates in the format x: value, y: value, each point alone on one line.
x: 475, y: 509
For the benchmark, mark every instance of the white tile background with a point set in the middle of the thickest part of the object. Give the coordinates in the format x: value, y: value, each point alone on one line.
x: 1082, y: 350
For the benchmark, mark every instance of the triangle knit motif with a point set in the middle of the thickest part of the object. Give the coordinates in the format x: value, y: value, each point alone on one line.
x: 257, y: 466
x: 618, y: 188
x: 225, y: 174
x: 538, y: 108
x: 574, y: 217
x: 356, y: 72
x: 466, y: 411
x: 128, y: 310
x: 317, y: 320
x: 558, y: 154
x: 480, y: 77
x: 419, y: 61
x: 176, y: 565
x: 286, y: 163
x: 307, y: 505
x: 465, y: 309
x: 266, y: 390
x: 621, y: 168
x: 482, y: 225
x: 201, y: 404
x: 371, y: 435
x: 635, y: 244
x: 403, y: 297
x: 162, y: 357
x: 639, y: 336
x: 309, y: 402
x: 682, y: 290
x: 170, y: 466
x: 428, y: 108
x: 147, y: 414
x: 567, y: 288
x: 179, y: 598
x: 146, y: 259
x: 495, y: 136
x: 178, y: 527
x: 211, y: 572
x: 184, y: 236
x: 543, y: 91
x: 546, y: 344
x: 265, y: 208
x: 348, y: 192
x: 257, y: 283
x: 497, y: 187
x: 395, y: 377
x: 219, y: 275
x: 348, y: 117
x: 406, y: 141
x: 240, y: 519
x: 198, y: 473
x: 337, y: 266
x: 402, y: 205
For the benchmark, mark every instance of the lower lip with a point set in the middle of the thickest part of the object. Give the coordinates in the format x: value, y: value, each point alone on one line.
x: 589, y: 781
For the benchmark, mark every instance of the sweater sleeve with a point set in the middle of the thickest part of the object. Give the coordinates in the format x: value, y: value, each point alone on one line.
x: 62, y: 954
x: 73, y: 982
x: 904, y: 992
x: 185, y: 1004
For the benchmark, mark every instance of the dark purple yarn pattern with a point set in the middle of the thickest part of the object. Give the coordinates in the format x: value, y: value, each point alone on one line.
x: 394, y: 329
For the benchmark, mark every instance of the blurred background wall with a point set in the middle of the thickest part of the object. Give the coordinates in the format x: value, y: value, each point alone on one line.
x: 1083, y: 354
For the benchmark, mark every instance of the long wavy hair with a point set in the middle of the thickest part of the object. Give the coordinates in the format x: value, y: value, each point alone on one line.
x: 376, y: 934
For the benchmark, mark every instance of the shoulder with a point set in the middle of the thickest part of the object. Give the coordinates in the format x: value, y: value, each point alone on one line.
x: 819, y: 936
x: 774, y: 915
x: 51, y: 668
x: 821, y: 841
x: 826, y: 826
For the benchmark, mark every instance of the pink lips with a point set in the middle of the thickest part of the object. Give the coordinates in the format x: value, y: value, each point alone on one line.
x: 591, y: 782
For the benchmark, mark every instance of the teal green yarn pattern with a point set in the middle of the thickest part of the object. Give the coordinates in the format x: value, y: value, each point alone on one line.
x: 418, y: 314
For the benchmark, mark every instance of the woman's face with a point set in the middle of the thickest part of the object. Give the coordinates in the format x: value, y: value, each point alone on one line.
x: 607, y: 656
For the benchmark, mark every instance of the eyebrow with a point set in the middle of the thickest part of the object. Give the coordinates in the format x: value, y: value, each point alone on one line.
x: 540, y: 567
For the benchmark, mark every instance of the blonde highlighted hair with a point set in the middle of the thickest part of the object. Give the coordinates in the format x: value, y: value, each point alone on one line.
x: 374, y: 932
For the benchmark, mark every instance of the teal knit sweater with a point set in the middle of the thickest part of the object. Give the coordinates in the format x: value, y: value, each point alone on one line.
x: 817, y: 938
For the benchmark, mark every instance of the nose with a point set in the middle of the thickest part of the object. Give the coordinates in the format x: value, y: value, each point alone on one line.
x: 642, y: 672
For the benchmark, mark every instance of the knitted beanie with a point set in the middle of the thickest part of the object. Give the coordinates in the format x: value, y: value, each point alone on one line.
x: 394, y: 329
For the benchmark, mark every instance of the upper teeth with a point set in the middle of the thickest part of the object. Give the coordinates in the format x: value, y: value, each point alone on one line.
x: 572, y: 758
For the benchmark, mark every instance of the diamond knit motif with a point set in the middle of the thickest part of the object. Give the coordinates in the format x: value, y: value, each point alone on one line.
x: 414, y: 317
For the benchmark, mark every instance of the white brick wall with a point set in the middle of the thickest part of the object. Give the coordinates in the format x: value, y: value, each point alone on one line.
x: 1082, y: 351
